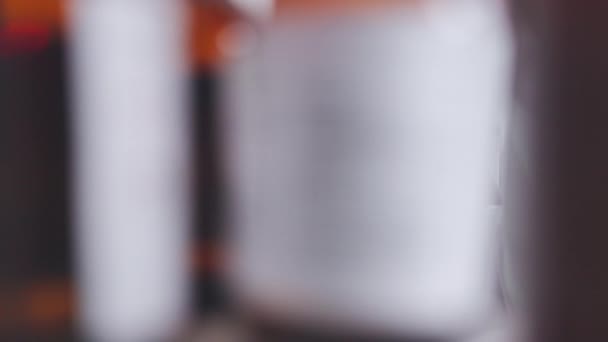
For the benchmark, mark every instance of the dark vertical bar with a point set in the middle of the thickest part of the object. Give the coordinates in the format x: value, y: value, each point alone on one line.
x: 568, y: 125
x: 576, y: 306
x: 34, y: 225
x: 210, y: 296
x: 210, y: 19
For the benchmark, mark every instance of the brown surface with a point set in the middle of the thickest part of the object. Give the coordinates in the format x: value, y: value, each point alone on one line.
x: 49, y: 305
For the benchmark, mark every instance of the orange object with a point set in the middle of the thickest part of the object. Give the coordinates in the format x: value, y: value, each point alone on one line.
x: 48, y: 13
x: 208, y: 20
x: 28, y: 25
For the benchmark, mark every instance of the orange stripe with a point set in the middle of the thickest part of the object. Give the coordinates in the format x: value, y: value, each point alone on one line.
x: 44, y: 12
x: 284, y: 7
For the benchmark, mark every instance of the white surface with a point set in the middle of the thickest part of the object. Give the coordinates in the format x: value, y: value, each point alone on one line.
x: 362, y: 154
x: 131, y: 163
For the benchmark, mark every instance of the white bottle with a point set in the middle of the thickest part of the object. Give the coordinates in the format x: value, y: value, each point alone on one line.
x: 361, y: 150
x: 131, y: 147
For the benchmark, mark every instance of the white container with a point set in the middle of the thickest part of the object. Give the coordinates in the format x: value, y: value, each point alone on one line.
x: 362, y: 155
x: 131, y: 151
